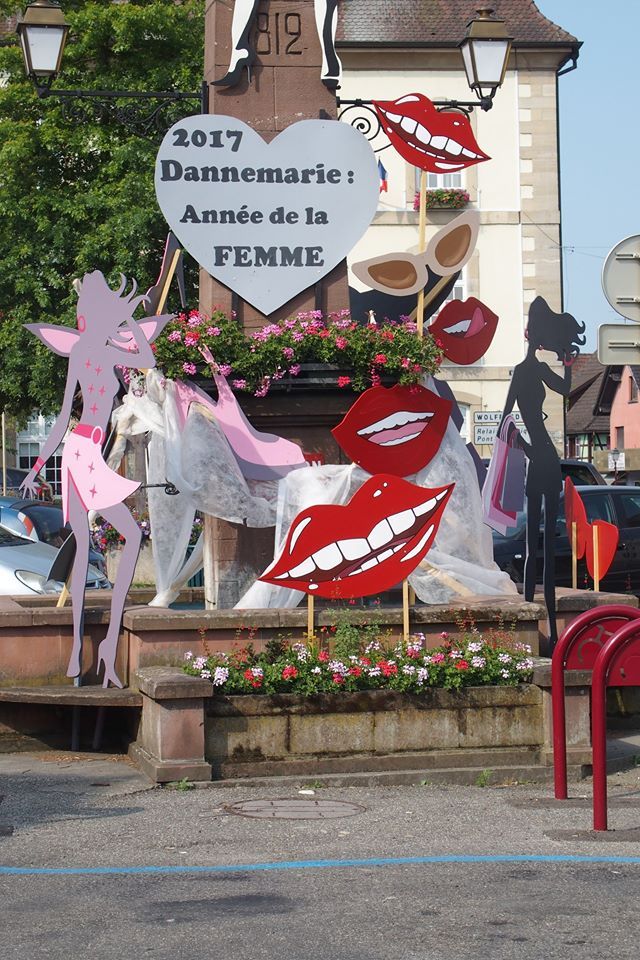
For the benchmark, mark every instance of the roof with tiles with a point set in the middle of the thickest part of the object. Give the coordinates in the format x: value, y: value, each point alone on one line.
x: 437, y: 23
x: 587, y: 376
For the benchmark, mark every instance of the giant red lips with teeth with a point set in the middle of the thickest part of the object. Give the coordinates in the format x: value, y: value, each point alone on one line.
x: 433, y: 140
x: 464, y: 329
x: 397, y: 430
x: 367, y: 546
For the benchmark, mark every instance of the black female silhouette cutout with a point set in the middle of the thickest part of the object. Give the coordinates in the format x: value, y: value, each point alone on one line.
x: 243, y: 52
x: 562, y: 334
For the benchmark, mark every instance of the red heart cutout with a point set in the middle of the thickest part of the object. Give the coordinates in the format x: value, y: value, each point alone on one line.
x: 575, y: 512
x: 608, y: 536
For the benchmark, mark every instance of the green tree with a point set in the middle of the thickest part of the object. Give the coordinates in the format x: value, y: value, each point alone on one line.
x: 76, y: 192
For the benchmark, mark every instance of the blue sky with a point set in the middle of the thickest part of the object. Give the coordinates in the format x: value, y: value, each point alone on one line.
x: 600, y: 147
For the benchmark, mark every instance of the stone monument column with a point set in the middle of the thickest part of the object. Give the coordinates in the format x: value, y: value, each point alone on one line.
x: 284, y: 87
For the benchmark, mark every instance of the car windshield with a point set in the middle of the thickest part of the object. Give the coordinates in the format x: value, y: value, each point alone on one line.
x: 48, y: 523
x: 581, y: 476
x: 10, y: 540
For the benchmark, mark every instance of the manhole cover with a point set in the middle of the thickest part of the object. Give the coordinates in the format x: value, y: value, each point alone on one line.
x: 294, y: 809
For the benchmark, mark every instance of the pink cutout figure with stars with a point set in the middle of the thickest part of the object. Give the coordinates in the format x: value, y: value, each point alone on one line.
x: 107, y: 337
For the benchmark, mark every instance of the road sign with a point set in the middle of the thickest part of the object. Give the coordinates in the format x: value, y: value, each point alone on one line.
x: 621, y: 278
x: 494, y: 416
x: 618, y: 344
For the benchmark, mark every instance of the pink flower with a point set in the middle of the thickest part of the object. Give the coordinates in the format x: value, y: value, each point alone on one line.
x: 189, y: 368
x: 344, y: 381
x: 224, y: 369
x: 195, y: 320
x: 288, y: 353
x: 406, y: 363
x: 380, y: 359
x: 213, y: 331
x: 437, y: 658
x: 337, y: 678
x: 297, y: 336
x: 191, y: 338
x: 239, y: 384
x: 175, y: 337
x: 289, y: 672
x: 294, y: 369
x: 323, y: 656
x: 341, y: 342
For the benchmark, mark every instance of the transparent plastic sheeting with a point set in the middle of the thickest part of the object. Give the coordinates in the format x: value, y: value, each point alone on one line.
x: 460, y: 564
x: 199, y: 461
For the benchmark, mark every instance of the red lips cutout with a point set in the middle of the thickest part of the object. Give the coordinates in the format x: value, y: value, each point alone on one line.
x: 608, y: 536
x: 396, y: 430
x: 608, y: 533
x: 434, y: 140
x: 366, y: 546
x: 465, y: 329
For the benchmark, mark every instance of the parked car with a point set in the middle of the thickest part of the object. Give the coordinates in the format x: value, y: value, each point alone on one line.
x: 581, y: 472
x: 25, y: 566
x: 41, y: 522
x: 617, y: 505
x: 15, y: 478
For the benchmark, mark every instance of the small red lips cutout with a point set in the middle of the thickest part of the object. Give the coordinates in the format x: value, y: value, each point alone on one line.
x: 575, y: 512
x: 367, y: 546
x: 465, y: 329
x: 397, y: 430
x: 433, y: 140
x: 608, y: 536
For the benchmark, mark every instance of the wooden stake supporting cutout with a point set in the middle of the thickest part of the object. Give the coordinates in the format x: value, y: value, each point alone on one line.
x: 310, y: 616
x: 596, y: 560
x: 574, y: 555
x: 422, y: 229
x: 405, y: 610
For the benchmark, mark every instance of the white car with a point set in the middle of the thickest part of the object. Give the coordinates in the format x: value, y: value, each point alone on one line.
x: 25, y: 566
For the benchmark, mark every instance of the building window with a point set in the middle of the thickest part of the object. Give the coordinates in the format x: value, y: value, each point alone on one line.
x: 633, y: 390
x: 620, y: 438
x: 28, y: 453
x: 440, y: 181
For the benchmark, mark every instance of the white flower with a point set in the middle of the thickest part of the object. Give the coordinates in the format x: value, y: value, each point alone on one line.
x: 475, y: 647
x: 408, y: 668
x: 257, y: 671
x: 220, y: 676
x: 373, y: 671
x: 455, y: 654
x: 205, y: 674
x: 526, y: 664
x: 188, y: 655
x: 504, y: 658
x: 337, y: 666
x: 300, y: 651
x: 478, y: 662
x: 505, y: 674
x: 316, y: 669
x: 423, y: 675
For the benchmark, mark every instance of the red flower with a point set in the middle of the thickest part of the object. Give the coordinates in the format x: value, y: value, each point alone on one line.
x: 337, y: 678
x: 365, y: 661
x: 355, y: 671
x: 380, y: 359
x: 341, y: 342
x: 387, y: 668
x: 248, y: 675
x: 324, y: 334
x: 323, y: 656
x: 344, y: 381
x: 289, y: 672
x: 256, y: 682
x: 462, y: 665
x: 387, y: 335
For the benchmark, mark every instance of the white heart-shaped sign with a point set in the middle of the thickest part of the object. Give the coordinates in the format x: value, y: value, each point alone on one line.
x: 266, y: 219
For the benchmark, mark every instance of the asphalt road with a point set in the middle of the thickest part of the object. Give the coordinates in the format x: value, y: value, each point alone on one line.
x: 430, y: 872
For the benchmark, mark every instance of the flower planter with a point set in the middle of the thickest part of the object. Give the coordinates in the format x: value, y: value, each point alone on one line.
x: 376, y: 730
x: 145, y: 569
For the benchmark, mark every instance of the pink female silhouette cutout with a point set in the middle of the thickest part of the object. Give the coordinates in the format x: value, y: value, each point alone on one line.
x: 107, y: 337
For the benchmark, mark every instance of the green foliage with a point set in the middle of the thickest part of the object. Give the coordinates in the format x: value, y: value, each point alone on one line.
x: 484, y: 778
x: 78, y: 195
x: 255, y: 361
x: 377, y: 662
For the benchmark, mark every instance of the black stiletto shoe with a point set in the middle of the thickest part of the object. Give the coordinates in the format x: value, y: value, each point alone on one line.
x: 331, y: 83
x: 232, y: 78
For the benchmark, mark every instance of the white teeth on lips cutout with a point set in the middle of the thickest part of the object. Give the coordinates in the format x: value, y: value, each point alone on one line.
x: 460, y: 327
x: 397, y: 419
x: 333, y: 554
x: 419, y: 545
x: 446, y: 144
x: 296, y: 533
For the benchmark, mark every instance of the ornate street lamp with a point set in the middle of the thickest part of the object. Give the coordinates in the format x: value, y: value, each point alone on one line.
x: 43, y: 32
x: 485, y: 52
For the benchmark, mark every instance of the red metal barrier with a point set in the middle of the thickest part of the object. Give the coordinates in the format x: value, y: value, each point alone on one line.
x: 617, y: 665
x: 578, y: 649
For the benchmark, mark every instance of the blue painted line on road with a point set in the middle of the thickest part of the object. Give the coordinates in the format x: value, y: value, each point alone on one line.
x: 308, y: 865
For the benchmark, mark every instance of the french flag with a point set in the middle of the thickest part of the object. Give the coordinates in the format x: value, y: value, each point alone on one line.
x: 384, y: 186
